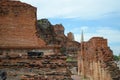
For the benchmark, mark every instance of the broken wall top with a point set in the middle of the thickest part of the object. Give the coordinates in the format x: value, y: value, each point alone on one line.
x: 98, y: 42
x: 18, y: 25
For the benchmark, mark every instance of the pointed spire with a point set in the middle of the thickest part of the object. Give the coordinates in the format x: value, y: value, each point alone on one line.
x: 82, y: 36
x: 80, y: 55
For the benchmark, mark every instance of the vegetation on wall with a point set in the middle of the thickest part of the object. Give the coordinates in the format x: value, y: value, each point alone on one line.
x: 116, y: 58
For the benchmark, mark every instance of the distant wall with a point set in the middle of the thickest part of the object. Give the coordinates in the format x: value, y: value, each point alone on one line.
x: 95, y: 60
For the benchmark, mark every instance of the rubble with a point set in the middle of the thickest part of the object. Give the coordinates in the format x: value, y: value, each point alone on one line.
x: 52, y: 67
x: 3, y: 75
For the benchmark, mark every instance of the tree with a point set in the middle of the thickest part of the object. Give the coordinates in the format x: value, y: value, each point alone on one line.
x: 116, y: 58
x: 119, y: 56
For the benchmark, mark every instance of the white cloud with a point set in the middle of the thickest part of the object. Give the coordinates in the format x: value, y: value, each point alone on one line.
x: 116, y: 49
x: 111, y: 34
x: 84, y: 9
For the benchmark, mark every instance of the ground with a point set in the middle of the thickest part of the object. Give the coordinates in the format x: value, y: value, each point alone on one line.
x: 76, y: 77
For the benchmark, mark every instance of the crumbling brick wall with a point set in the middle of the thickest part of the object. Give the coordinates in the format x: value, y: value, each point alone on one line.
x: 18, y: 25
x: 96, y: 60
x: 46, y: 67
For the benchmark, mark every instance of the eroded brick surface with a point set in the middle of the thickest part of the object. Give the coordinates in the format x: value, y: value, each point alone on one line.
x: 49, y: 67
x: 18, y: 25
x: 96, y: 60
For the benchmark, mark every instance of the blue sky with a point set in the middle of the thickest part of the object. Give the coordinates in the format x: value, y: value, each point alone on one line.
x: 95, y: 17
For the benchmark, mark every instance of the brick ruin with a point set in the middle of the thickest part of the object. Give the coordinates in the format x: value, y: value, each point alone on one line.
x: 72, y: 47
x: 18, y: 26
x: 51, y: 34
x: 18, y: 38
x: 45, y: 31
x: 54, y: 34
x: 48, y: 67
x: 21, y: 33
x: 95, y: 61
x: 70, y: 36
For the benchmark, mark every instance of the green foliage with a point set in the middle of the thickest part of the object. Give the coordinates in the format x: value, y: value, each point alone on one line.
x: 39, y: 22
x: 119, y: 57
x: 69, y: 59
x: 116, y: 58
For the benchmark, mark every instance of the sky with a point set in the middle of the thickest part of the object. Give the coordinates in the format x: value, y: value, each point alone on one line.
x: 97, y: 18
